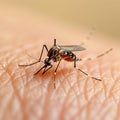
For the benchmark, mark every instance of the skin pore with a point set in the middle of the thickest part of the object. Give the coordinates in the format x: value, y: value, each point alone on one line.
x: 24, y: 96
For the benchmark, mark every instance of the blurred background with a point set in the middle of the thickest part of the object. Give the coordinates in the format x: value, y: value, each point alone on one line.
x: 104, y: 14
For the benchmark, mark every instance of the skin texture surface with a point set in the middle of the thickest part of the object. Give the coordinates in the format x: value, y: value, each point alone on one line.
x: 24, y: 96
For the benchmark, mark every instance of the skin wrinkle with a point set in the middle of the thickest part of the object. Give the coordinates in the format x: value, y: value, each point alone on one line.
x: 31, y: 109
x: 108, y: 91
x: 65, y: 77
x: 85, y: 89
x: 62, y: 83
x: 78, y: 82
x: 96, y: 84
x: 46, y: 104
x: 67, y: 100
x: 81, y: 107
x: 112, y: 89
x: 69, y: 86
x: 89, y: 104
x: 115, y: 82
x: 27, y: 109
x: 4, y: 83
x: 41, y: 104
x: 68, y: 95
x: 4, y: 72
x: 109, y: 108
x: 117, y: 112
x: 79, y: 96
x: 87, y: 111
x: 87, y: 81
x: 7, y: 106
x: 107, y: 101
x: 86, y: 86
x: 16, y: 92
x: 73, y: 89
x: 8, y: 110
x: 103, y: 106
x: 103, y: 117
x: 4, y: 100
x: 14, y: 87
x: 63, y: 109
x: 103, y: 81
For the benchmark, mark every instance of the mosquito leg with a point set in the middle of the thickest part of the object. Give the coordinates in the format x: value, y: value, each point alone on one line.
x: 54, y: 42
x: 74, y: 63
x: 89, y: 75
x: 85, y: 72
x: 55, y: 73
x: 44, y: 46
x: 28, y: 64
x: 97, y: 56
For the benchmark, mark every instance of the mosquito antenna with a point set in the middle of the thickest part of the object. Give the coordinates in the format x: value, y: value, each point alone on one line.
x: 31, y: 56
x: 88, y: 36
x: 54, y: 42
x: 91, y: 33
x: 100, y: 55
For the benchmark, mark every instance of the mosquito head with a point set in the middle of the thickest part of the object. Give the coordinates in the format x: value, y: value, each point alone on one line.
x: 47, y: 62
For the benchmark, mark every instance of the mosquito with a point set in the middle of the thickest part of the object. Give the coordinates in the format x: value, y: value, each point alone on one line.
x: 62, y: 52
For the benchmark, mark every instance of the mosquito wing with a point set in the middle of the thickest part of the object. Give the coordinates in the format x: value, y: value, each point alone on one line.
x: 72, y: 47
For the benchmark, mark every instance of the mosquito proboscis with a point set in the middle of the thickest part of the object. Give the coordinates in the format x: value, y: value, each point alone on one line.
x: 62, y: 52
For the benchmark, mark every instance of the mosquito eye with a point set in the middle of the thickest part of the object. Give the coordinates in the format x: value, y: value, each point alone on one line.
x: 55, y: 52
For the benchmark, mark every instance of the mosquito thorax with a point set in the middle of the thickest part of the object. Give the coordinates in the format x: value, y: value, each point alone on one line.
x: 53, y: 53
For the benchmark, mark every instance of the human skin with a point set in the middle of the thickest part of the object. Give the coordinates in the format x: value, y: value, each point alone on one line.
x: 24, y: 96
